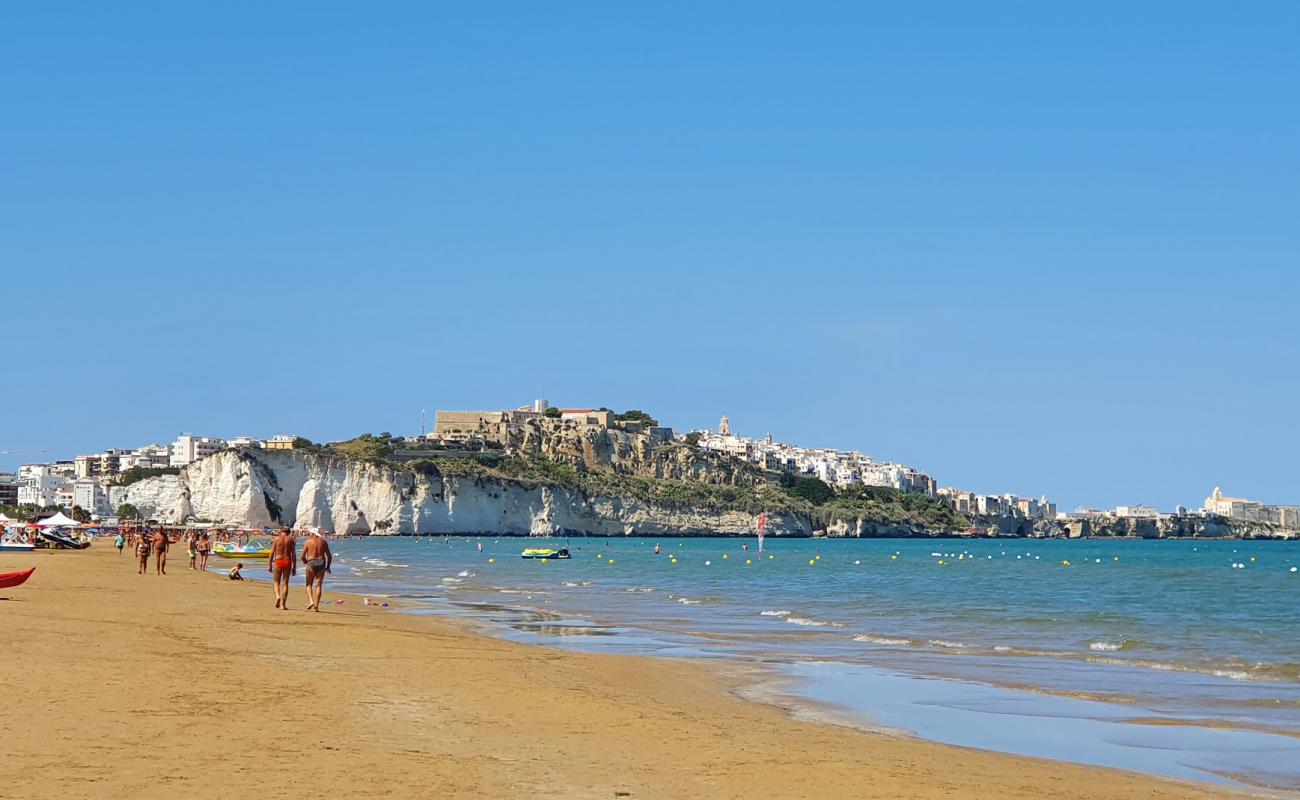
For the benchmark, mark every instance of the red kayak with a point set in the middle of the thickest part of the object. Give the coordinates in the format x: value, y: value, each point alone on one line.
x: 11, y: 579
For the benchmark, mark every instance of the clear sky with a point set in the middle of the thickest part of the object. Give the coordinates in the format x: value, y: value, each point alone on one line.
x: 1028, y: 247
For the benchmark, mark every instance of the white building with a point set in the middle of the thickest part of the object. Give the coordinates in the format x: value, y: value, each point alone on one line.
x: 1136, y: 512
x: 245, y: 441
x: 91, y: 496
x: 187, y: 449
x: 40, y: 486
x: 151, y: 456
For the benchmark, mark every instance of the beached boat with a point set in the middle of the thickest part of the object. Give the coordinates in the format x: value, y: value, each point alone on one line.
x: 545, y: 552
x: 13, y: 542
x: 249, y: 551
x: 10, y: 579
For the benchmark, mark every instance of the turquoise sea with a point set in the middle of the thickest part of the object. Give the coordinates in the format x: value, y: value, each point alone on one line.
x: 1180, y: 658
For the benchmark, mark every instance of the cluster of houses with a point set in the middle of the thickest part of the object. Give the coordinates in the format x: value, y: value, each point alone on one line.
x: 84, y: 481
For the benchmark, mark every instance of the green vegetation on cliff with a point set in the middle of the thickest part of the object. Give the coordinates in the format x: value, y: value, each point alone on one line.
x: 734, y: 485
x: 135, y: 474
x: 882, y: 504
x: 603, y: 483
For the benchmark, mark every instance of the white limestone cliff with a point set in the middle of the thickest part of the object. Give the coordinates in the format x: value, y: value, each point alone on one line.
x: 255, y: 488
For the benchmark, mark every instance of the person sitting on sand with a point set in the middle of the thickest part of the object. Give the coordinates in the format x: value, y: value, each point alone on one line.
x: 160, y: 545
x: 282, y: 565
x: 316, y: 555
x: 234, y: 572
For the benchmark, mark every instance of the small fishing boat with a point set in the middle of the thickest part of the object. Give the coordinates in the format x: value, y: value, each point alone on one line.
x: 9, y: 580
x: 545, y: 553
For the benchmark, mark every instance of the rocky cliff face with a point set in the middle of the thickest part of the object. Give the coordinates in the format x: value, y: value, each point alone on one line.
x: 648, y: 454
x: 258, y: 488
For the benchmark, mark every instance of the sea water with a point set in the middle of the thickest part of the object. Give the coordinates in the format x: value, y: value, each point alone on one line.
x: 1179, y: 658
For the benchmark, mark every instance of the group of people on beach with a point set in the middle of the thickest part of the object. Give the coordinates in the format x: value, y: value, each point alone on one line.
x: 282, y: 562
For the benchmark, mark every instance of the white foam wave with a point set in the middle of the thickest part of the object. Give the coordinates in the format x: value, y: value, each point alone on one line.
x: 379, y: 562
x: 885, y: 640
x: 948, y: 644
x: 771, y: 613
x: 1105, y: 647
x: 812, y: 623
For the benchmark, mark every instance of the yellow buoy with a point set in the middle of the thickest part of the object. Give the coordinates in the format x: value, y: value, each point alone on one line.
x: 769, y: 558
x: 748, y: 562
x: 724, y: 555
x: 492, y: 561
x: 1065, y: 563
x: 611, y: 562
x: 893, y: 558
x: 812, y: 561
x: 942, y: 562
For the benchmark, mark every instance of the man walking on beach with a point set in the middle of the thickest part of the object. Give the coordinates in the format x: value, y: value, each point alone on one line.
x: 160, y: 544
x: 283, y: 565
x: 316, y: 555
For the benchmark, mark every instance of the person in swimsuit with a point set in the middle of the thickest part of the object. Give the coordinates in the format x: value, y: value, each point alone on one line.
x: 142, y: 550
x: 160, y: 545
x: 119, y: 542
x: 205, y: 547
x: 283, y: 565
x: 191, y: 541
x: 316, y: 555
x: 235, y: 571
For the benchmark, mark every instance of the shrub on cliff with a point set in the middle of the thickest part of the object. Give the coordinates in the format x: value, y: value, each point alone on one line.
x: 135, y: 474
x: 814, y: 490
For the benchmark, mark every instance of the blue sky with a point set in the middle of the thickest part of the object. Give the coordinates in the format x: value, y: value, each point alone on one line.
x: 1028, y: 249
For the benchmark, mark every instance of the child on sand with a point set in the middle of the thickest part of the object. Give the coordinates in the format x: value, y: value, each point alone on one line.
x: 234, y: 572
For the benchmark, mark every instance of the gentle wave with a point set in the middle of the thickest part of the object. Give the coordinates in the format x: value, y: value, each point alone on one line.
x: 885, y: 640
x: 948, y: 644
x: 812, y: 623
x: 774, y: 613
x: 1110, y: 647
x: 379, y: 562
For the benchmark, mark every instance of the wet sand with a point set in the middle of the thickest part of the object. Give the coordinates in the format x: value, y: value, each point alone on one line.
x: 193, y: 686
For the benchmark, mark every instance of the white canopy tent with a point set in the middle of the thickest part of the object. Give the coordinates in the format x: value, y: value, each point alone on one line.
x: 59, y: 520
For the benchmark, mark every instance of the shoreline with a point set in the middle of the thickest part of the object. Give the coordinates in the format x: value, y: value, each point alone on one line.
x: 407, y: 702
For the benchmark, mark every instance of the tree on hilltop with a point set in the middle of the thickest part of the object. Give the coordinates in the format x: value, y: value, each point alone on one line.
x: 637, y: 415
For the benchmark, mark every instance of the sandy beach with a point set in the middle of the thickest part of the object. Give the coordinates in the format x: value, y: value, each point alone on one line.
x: 193, y: 686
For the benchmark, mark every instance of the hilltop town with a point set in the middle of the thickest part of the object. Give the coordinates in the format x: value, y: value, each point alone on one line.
x: 538, y: 442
